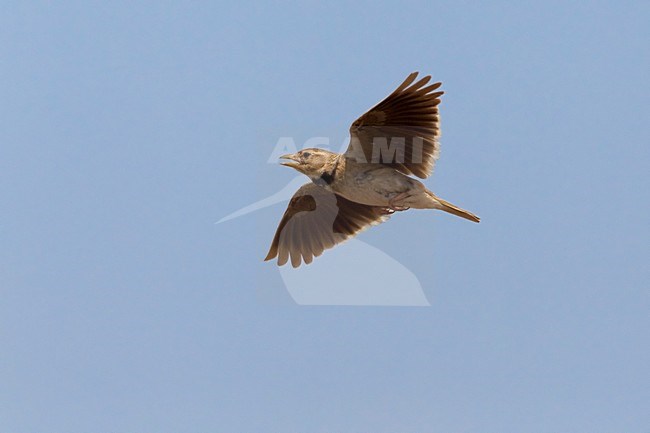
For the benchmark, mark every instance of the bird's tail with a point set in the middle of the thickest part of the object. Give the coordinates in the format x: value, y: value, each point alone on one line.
x: 455, y: 210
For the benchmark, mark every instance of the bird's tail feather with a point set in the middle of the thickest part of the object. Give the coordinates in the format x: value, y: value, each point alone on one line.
x: 455, y: 210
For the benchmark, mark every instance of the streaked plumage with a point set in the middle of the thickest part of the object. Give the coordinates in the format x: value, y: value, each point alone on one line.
x: 351, y: 191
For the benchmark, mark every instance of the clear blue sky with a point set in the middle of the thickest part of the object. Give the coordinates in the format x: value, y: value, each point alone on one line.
x: 128, y: 128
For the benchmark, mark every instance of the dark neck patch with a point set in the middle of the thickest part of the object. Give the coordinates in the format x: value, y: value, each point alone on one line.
x: 328, y: 178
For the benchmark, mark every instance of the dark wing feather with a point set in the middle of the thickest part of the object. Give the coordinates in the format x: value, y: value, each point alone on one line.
x: 315, y: 220
x: 407, y: 122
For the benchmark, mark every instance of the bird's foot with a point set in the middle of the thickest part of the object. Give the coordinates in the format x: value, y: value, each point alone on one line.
x: 387, y: 211
x: 395, y: 207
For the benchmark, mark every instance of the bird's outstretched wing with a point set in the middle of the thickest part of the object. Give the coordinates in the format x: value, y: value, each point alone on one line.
x: 317, y: 219
x: 402, y: 130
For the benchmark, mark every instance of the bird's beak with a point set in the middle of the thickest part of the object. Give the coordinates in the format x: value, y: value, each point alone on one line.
x: 294, y: 162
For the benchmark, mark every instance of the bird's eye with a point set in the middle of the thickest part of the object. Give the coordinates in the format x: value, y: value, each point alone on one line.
x: 306, y: 154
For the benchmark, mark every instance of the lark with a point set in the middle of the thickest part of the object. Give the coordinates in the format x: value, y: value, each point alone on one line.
x: 349, y: 192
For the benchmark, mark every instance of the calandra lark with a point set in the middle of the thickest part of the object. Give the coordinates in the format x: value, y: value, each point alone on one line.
x: 349, y: 192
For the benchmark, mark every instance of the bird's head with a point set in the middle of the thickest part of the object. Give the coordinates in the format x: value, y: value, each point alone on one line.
x: 311, y: 162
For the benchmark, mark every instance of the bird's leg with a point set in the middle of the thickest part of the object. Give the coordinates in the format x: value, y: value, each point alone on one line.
x: 387, y: 211
x: 394, y: 207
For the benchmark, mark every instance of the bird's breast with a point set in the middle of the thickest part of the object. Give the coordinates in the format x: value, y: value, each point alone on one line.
x: 374, y: 187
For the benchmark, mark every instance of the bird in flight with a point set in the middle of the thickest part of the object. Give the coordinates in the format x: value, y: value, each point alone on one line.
x: 349, y: 192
